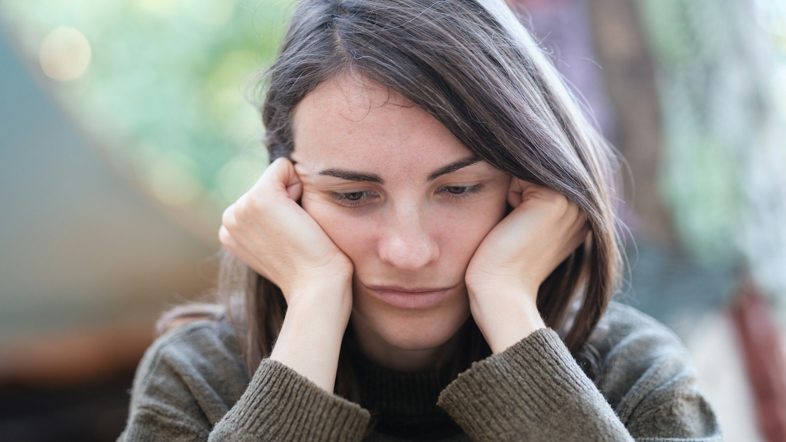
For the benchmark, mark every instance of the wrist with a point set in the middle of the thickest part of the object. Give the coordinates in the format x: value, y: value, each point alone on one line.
x: 310, y: 338
x: 505, y: 316
x: 310, y: 344
x: 328, y: 297
x: 509, y: 331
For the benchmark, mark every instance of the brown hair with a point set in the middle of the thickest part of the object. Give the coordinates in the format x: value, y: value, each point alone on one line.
x: 473, y: 66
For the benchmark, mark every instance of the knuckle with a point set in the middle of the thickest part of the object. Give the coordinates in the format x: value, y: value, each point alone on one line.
x: 244, y: 209
x: 561, y: 205
x: 228, y: 217
x: 561, y: 200
x: 225, y: 237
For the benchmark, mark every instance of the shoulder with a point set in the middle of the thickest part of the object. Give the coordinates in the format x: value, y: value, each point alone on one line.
x: 626, y: 334
x: 198, y: 341
x: 642, y: 362
x: 196, y: 366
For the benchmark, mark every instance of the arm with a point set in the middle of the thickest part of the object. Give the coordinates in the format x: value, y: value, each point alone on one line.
x: 535, y: 391
x: 193, y: 386
x: 281, y: 405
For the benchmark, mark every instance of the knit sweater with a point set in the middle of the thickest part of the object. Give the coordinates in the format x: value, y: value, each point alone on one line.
x: 192, y: 384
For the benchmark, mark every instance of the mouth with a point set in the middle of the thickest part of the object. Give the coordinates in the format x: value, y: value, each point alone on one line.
x: 410, y: 298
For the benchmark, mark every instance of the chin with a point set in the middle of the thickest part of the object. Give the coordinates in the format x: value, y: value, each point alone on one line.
x: 415, y: 330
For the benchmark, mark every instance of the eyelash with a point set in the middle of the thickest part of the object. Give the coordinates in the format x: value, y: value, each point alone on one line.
x: 466, y: 193
x: 344, y: 198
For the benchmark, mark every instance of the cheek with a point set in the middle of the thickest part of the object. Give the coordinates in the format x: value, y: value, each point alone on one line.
x: 352, y: 234
x: 463, y: 229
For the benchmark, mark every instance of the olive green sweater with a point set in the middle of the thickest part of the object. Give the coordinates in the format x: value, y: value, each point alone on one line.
x: 192, y: 385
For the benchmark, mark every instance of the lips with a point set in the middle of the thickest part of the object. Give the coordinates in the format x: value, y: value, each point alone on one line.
x: 410, y: 298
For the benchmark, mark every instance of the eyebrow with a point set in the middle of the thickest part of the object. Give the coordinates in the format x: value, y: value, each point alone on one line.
x: 351, y: 176
x: 373, y: 178
x: 452, y: 167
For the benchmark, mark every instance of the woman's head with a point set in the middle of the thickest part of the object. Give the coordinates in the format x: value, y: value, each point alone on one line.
x: 406, y: 202
x: 473, y: 68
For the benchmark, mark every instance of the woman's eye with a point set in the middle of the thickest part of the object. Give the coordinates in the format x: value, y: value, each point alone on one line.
x: 353, y: 196
x: 456, y: 190
x: 461, y: 191
x: 352, y: 199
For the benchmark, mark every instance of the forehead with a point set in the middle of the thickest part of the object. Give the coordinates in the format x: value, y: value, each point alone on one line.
x: 357, y: 123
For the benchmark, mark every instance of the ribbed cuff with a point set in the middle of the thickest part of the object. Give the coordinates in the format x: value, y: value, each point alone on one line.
x: 282, y: 405
x: 532, y: 391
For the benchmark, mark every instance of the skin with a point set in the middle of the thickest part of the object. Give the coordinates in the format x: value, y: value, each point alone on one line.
x: 392, y: 203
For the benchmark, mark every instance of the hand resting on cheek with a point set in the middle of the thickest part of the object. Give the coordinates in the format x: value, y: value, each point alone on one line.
x: 268, y: 230
x: 516, y: 256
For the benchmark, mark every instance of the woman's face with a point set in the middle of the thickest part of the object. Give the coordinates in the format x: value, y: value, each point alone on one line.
x: 405, y: 201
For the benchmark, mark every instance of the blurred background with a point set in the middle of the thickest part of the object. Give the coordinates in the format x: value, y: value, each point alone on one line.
x: 126, y: 128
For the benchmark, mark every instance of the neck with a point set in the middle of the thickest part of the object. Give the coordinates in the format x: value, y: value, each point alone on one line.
x: 384, y: 354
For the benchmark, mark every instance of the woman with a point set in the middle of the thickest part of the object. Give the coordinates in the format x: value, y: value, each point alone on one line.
x: 428, y: 257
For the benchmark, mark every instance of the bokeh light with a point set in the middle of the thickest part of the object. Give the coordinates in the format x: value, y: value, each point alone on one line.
x: 65, y: 54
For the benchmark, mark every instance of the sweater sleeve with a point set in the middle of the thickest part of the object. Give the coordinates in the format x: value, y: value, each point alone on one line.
x: 535, y: 391
x: 281, y: 405
x: 190, y: 387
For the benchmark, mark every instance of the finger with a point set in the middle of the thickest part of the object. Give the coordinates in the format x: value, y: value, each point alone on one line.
x: 514, y: 192
x: 281, y: 175
x: 239, y: 250
x: 520, y: 192
x: 578, y: 222
x: 293, y: 183
x: 574, y: 243
x: 573, y: 215
x: 228, y: 217
x: 295, y: 191
x: 229, y: 223
x: 226, y: 239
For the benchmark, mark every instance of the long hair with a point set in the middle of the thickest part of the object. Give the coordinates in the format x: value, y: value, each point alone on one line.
x: 473, y: 66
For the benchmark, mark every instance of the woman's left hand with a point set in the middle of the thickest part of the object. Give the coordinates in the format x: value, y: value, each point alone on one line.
x: 516, y: 256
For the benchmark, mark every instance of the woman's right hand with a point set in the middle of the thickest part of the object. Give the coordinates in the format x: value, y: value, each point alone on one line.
x: 268, y: 230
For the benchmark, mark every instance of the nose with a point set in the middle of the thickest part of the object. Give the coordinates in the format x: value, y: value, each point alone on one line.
x: 407, y: 244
